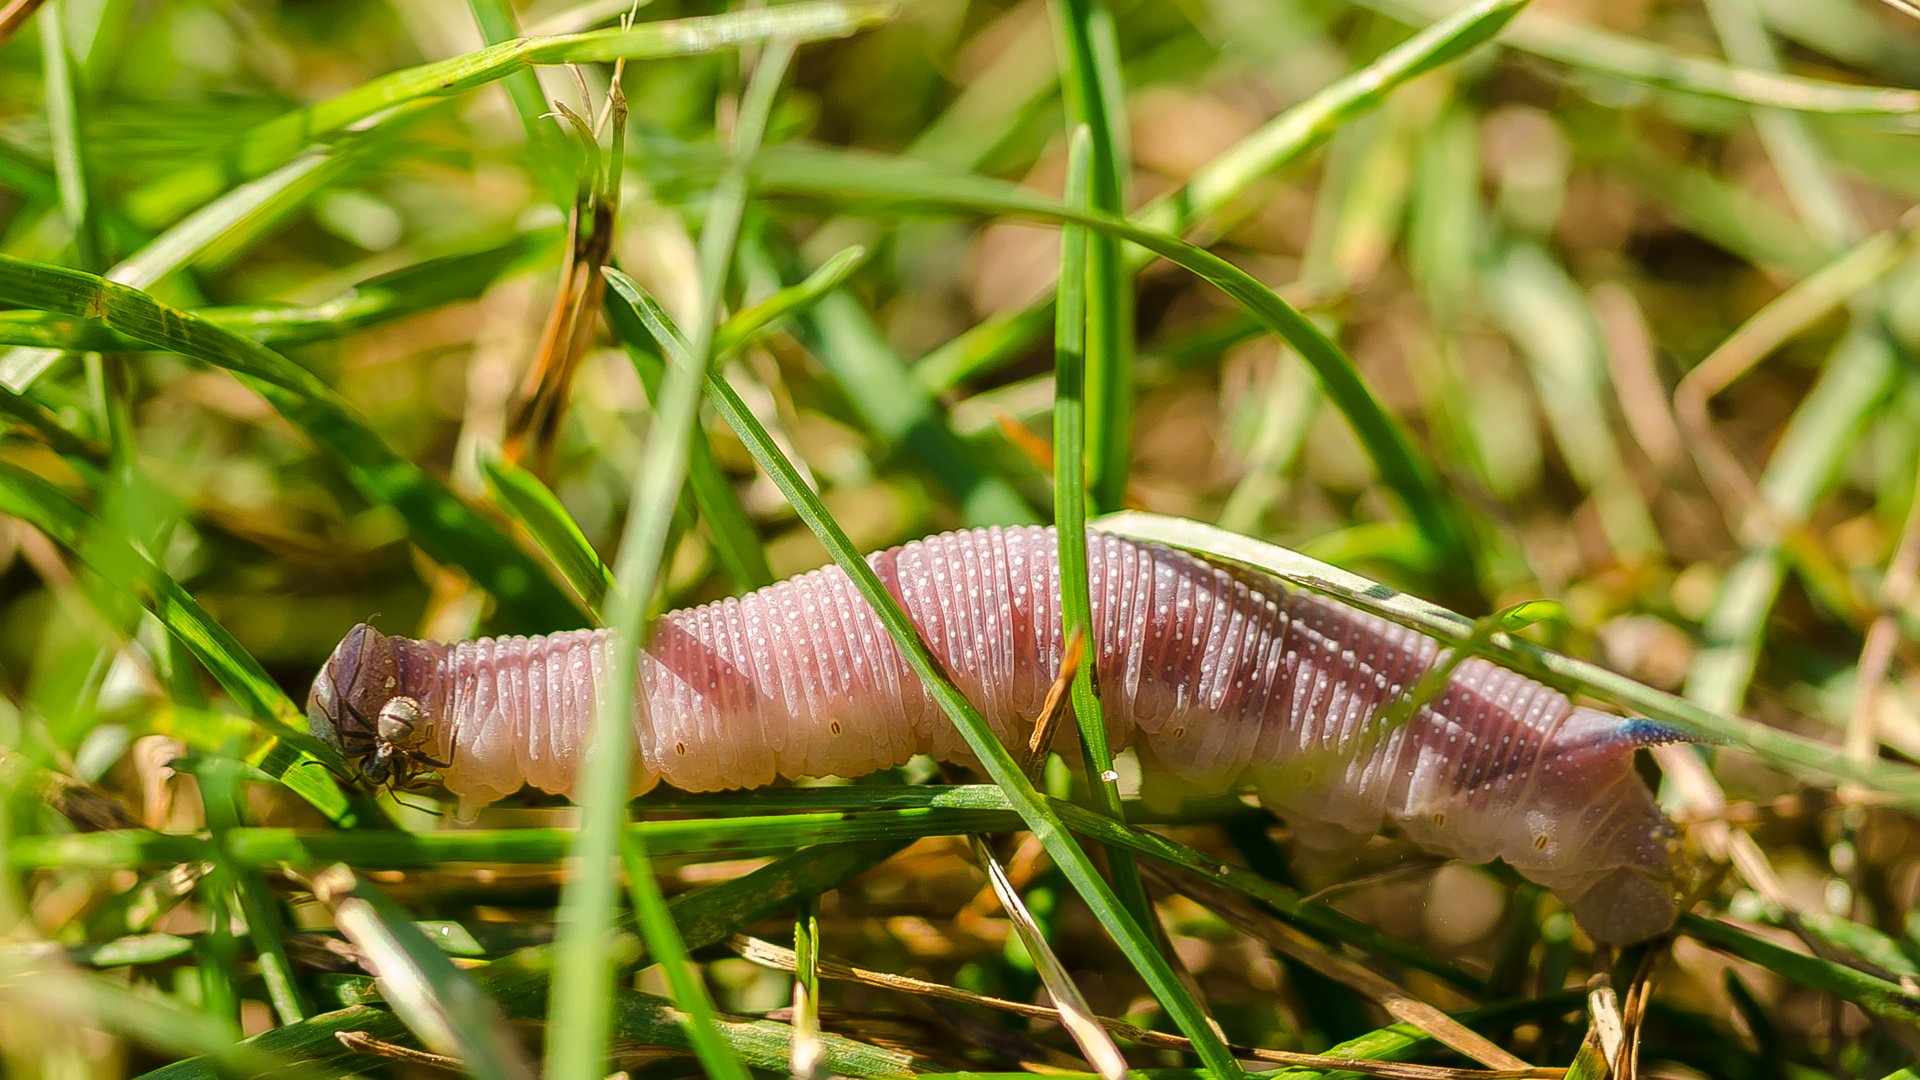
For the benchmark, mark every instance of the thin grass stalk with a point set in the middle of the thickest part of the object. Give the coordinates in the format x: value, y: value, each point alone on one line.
x: 1220, y: 184
x: 518, y: 983
x: 663, y: 939
x: 580, y: 1007
x: 546, y: 154
x: 1607, y: 52
x: 1070, y: 496
x: 1020, y: 793
x: 63, y: 128
x: 269, y: 145
x: 1407, y: 471
x: 1797, y: 755
x: 806, y: 1060
x: 1096, y: 1046
x: 1095, y: 99
x: 302, y: 763
x: 221, y: 796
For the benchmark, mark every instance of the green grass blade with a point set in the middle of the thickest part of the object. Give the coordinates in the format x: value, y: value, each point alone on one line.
x: 1797, y: 755
x: 221, y: 227
x: 1540, y: 307
x: 746, y: 326
x: 1095, y: 98
x: 1877, y: 996
x: 1407, y: 472
x: 1221, y: 183
x: 58, y: 993
x: 1859, y: 375
x: 529, y: 502
x: 579, y: 1008
x: 519, y: 982
x: 1139, y: 948
x: 1070, y: 496
x: 446, y: 528
x: 278, y: 141
x: 1323, y: 920
x: 736, y: 543
x: 943, y: 812
x: 443, y: 1005
x: 28, y: 414
x: 893, y: 405
x: 299, y: 765
x: 377, y: 300
x: 1723, y: 213
x: 1607, y: 52
x: 223, y: 799
x: 716, y: 1055
x: 63, y: 127
x: 548, y: 155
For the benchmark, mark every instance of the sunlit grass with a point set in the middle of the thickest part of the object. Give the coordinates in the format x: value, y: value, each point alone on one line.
x: 1474, y: 304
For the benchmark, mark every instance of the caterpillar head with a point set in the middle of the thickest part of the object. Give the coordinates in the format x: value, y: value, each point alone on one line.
x: 1592, y: 833
x: 356, y: 708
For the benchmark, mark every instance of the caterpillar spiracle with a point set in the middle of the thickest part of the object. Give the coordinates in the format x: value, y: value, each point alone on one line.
x: 1214, y: 678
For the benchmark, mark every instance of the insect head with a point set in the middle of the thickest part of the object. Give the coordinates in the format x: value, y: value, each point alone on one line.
x: 361, y: 679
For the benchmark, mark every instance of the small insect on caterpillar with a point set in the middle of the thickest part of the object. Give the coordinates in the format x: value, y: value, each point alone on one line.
x: 1214, y: 678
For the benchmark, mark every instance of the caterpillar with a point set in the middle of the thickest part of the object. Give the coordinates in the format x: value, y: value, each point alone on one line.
x: 1213, y: 677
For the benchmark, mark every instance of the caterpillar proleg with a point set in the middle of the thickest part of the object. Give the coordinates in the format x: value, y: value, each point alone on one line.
x: 1214, y: 678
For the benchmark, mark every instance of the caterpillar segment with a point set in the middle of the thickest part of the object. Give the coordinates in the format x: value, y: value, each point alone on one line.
x: 1215, y: 678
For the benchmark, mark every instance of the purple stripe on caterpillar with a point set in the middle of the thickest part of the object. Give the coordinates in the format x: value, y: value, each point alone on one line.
x: 1215, y: 678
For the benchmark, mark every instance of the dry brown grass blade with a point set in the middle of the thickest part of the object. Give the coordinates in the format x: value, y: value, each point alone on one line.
x: 15, y: 15
x: 1059, y: 699
x: 79, y: 802
x: 1399, y: 1004
x: 1772, y: 326
x: 773, y: 956
x: 1074, y: 1012
x: 1626, y: 1062
x: 363, y: 1043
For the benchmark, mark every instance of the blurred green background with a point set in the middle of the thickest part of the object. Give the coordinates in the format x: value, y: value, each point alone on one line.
x: 1637, y: 279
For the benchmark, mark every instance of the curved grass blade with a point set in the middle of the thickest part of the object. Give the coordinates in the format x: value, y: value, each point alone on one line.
x: 1067, y: 855
x: 291, y: 757
x: 1794, y: 754
x: 579, y: 1007
x: 223, y: 800
x: 522, y: 495
x: 746, y: 326
x: 245, y: 209
x: 278, y: 141
x: 446, y: 528
x: 898, y: 186
x: 1095, y: 98
x: 1607, y: 52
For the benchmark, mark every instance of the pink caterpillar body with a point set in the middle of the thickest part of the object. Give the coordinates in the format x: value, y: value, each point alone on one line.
x: 1214, y: 678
